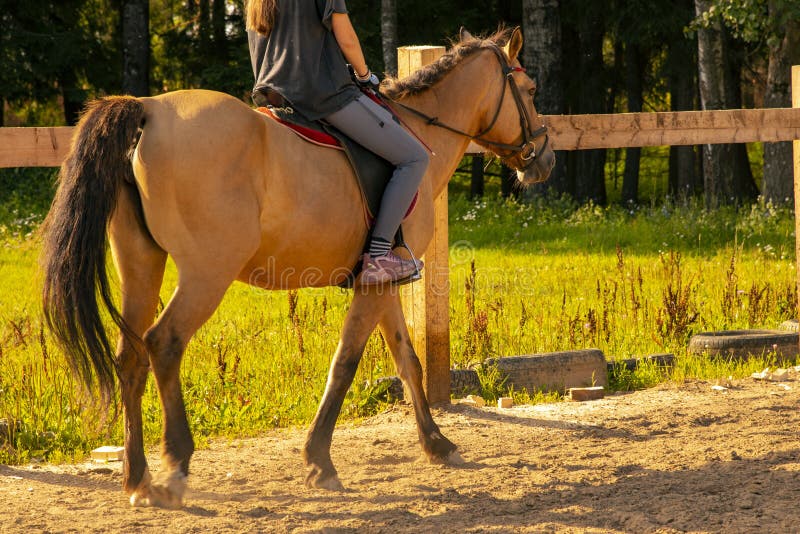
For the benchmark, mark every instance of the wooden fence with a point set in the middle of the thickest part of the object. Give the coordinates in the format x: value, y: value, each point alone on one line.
x: 427, y: 311
x: 46, y: 147
x: 427, y: 303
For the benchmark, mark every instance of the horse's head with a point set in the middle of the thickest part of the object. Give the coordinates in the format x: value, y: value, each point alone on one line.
x: 512, y: 128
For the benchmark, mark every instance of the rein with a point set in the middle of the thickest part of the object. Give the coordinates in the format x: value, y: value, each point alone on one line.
x: 529, y: 135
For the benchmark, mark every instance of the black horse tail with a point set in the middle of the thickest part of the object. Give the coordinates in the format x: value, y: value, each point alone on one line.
x: 74, y: 237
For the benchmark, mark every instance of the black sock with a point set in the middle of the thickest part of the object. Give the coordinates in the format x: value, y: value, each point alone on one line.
x: 379, y: 247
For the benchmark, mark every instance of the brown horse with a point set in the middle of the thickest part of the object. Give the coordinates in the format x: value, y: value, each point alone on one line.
x: 232, y: 195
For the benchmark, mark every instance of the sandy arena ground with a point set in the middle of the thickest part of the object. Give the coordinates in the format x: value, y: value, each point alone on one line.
x: 669, y: 459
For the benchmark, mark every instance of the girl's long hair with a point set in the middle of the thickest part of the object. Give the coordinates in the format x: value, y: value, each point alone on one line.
x: 261, y: 15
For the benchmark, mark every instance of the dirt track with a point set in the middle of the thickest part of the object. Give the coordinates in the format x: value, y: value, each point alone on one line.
x: 670, y: 459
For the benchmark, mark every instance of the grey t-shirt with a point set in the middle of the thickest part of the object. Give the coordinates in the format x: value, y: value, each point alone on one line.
x: 301, y: 60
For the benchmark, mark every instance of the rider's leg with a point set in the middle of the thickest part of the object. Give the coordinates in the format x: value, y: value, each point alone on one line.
x: 374, y: 128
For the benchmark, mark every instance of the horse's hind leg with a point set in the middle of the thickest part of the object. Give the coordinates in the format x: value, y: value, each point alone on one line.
x: 198, y: 294
x: 362, y: 317
x: 140, y: 264
x: 438, y: 448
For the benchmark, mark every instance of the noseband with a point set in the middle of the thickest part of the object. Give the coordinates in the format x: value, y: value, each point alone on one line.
x: 526, y: 148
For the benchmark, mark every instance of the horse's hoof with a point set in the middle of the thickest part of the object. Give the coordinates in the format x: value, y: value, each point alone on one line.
x: 140, y: 498
x: 167, y: 492
x: 331, y: 484
x: 441, y: 450
x: 454, y: 458
x: 319, y: 480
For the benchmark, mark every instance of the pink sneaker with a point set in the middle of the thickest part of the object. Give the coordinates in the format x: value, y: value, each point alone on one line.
x: 390, y: 268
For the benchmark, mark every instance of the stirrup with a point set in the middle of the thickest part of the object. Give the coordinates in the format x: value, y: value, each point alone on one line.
x: 413, y: 277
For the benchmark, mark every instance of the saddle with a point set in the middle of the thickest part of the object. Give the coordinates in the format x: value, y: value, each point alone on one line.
x: 372, y: 171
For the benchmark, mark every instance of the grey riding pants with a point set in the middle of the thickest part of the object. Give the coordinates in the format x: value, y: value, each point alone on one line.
x: 374, y: 128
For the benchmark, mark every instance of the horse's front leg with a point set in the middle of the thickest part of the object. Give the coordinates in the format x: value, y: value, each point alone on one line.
x: 362, y: 317
x: 438, y: 448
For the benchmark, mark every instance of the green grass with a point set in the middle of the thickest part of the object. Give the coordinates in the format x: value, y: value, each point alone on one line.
x: 525, y: 278
x: 629, y: 283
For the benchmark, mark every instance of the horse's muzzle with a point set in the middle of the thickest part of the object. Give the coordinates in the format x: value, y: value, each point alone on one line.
x: 539, y: 169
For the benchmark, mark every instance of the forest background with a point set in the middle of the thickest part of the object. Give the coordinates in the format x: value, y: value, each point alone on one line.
x: 587, y: 56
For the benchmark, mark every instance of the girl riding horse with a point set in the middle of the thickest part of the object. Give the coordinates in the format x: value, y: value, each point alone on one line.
x: 233, y: 204
x: 299, y: 51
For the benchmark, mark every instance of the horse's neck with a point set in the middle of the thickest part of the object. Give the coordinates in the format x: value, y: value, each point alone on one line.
x: 457, y: 101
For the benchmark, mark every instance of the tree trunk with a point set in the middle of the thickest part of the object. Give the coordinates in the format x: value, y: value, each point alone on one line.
x: 590, y: 164
x: 718, y: 160
x: 778, y: 185
x: 135, y: 48
x: 634, y: 70
x: 218, y: 30
x: 508, y: 182
x: 744, y: 184
x: 541, y: 27
x: 204, y: 28
x: 389, y: 36
x: 476, y: 175
x: 684, y: 180
x: 72, y: 95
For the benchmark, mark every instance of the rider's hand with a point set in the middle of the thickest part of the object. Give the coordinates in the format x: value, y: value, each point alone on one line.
x: 368, y: 81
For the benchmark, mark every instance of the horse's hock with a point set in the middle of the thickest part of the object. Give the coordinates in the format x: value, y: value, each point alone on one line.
x: 553, y: 371
x: 741, y: 344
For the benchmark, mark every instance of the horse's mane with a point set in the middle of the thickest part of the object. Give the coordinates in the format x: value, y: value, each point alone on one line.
x: 430, y: 74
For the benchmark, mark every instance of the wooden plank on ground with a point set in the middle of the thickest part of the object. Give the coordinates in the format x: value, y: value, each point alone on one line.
x: 578, y: 132
x: 34, y: 147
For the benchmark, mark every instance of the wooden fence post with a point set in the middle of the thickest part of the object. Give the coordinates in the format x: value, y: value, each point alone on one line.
x: 796, y: 146
x: 426, y: 304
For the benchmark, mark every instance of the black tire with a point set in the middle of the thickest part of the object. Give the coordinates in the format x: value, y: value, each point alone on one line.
x: 741, y: 344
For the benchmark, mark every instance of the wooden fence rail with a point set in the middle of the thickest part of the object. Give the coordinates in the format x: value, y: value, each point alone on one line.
x: 621, y: 130
x: 34, y: 147
x: 47, y: 147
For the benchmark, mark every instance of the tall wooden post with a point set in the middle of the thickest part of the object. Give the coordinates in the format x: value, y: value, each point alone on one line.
x: 412, y: 58
x: 426, y: 304
x: 796, y: 145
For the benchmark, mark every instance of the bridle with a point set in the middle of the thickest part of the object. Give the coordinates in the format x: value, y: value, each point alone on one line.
x: 526, y: 148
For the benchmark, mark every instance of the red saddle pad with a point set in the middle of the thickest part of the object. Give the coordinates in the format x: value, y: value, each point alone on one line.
x: 312, y: 136
x: 323, y: 139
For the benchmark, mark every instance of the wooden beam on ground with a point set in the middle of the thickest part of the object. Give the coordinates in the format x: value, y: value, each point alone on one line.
x: 620, y: 130
x: 34, y: 147
x: 796, y: 146
x: 426, y: 304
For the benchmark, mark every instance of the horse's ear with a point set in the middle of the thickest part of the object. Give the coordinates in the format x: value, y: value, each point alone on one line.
x: 464, y: 35
x: 514, y: 45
